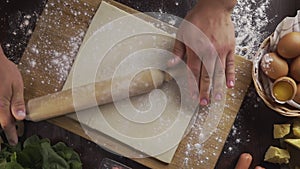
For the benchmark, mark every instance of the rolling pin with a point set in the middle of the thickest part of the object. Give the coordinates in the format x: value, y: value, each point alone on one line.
x: 61, y: 103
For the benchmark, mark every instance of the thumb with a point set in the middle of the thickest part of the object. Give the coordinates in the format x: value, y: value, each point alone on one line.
x: 17, y: 102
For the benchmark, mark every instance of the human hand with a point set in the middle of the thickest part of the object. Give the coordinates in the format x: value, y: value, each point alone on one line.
x: 207, y: 32
x: 12, y: 106
x: 244, y: 162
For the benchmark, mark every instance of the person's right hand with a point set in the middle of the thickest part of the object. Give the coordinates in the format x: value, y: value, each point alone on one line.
x: 12, y: 105
x: 205, y: 39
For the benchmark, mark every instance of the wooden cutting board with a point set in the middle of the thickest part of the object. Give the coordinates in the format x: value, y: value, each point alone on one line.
x: 49, y: 56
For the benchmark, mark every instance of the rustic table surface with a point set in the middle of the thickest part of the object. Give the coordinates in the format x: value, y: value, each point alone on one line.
x: 252, y: 131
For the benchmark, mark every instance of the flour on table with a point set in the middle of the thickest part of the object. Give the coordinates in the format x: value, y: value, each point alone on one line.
x: 250, y: 19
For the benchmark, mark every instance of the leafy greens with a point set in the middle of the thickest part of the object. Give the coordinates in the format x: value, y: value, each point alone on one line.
x: 36, y: 153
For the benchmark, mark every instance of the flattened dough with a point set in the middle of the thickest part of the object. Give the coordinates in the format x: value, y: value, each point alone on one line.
x: 116, y: 41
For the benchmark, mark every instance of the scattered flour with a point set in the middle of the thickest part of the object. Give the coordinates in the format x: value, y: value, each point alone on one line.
x: 266, y: 62
x: 19, y: 30
x: 32, y: 63
x: 250, y: 21
x: 59, y: 59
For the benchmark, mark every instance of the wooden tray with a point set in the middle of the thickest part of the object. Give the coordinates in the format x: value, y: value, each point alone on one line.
x: 49, y: 56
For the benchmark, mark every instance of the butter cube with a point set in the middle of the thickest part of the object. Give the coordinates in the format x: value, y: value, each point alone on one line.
x: 293, y: 142
x: 296, y: 128
x: 277, y: 155
x: 281, y: 130
x: 293, y: 146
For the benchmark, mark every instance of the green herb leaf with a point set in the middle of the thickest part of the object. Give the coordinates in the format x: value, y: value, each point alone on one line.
x: 11, y: 165
x: 39, y: 154
x: 51, y: 160
x: 68, y: 154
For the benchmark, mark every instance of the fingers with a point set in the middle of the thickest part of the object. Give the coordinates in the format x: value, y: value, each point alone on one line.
x: 194, y: 64
x: 10, y: 132
x: 230, y: 70
x: 224, y: 66
x: 219, y: 79
x: 7, y: 121
x: 204, y: 87
x: 207, y: 73
x: 17, y: 100
x: 203, y: 71
x: 259, y: 167
x: 244, y: 161
x: 178, y: 51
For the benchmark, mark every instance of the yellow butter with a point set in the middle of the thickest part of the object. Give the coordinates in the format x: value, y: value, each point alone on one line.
x: 293, y: 142
x: 281, y: 130
x: 277, y: 155
x: 296, y: 127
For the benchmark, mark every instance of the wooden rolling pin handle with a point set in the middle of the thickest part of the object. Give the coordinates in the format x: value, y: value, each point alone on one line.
x: 61, y: 103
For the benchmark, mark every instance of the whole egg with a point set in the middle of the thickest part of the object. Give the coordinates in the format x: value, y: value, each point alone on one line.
x: 295, y: 69
x: 274, y: 66
x: 289, y: 45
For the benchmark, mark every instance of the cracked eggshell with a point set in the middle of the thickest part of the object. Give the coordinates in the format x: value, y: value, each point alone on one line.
x: 274, y: 66
x: 297, y: 96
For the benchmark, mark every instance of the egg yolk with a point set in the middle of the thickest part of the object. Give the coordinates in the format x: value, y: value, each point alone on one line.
x: 283, y: 91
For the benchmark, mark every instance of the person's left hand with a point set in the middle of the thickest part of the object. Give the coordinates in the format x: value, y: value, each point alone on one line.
x: 207, y: 32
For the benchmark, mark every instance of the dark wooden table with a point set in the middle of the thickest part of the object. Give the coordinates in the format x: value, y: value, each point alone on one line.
x: 252, y: 131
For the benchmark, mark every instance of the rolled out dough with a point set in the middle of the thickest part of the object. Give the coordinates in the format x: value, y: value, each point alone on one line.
x: 116, y: 44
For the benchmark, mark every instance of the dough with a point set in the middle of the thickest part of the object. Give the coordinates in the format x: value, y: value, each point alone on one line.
x: 153, y: 123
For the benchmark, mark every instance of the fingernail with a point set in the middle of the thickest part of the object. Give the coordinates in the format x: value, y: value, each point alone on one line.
x: 231, y: 83
x: 172, y: 61
x: 203, y: 102
x: 21, y: 113
x: 218, y: 97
